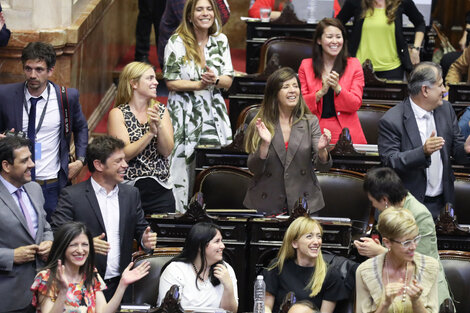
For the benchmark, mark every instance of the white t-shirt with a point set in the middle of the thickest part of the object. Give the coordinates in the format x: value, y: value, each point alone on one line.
x: 183, y: 275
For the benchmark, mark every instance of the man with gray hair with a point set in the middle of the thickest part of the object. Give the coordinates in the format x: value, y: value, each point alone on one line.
x: 418, y: 136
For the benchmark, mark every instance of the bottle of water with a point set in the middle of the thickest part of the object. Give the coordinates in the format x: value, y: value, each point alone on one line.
x: 312, y: 9
x: 259, y: 295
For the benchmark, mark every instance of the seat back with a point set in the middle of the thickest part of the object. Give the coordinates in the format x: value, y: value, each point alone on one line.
x: 247, y: 115
x: 223, y: 187
x: 369, y: 116
x: 344, y: 196
x: 145, y: 290
x: 462, y: 198
x: 457, y: 269
x: 284, y: 51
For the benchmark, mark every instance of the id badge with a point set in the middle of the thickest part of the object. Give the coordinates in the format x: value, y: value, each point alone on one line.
x: 37, y: 151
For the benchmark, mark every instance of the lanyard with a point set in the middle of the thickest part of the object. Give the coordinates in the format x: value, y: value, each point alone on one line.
x: 41, y: 119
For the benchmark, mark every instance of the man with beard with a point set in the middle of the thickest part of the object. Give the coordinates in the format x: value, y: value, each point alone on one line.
x: 49, y: 114
x: 25, y: 235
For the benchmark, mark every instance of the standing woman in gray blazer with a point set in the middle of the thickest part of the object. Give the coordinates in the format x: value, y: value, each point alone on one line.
x: 285, y: 144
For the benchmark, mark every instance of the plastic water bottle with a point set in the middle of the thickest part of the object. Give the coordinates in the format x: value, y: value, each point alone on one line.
x: 312, y: 9
x: 259, y: 295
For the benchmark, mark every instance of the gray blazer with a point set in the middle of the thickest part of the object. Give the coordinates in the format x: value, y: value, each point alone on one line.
x: 400, y: 147
x: 16, y: 279
x: 284, y: 176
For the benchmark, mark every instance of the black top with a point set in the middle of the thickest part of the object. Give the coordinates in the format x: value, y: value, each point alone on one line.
x: 353, y: 8
x: 295, y: 278
x: 328, y: 104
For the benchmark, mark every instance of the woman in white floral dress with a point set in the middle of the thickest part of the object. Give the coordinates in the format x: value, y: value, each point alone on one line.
x: 197, y: 67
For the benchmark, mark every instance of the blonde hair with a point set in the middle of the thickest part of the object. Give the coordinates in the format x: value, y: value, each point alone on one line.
x: 269, y: 111
x: 186, y: 30
x: 299, y: 227
x: 391, y: 7
x: 131, y: 73
x: 396, y: 223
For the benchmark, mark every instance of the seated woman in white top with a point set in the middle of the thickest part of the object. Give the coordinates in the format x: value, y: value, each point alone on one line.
x: 204, y: 279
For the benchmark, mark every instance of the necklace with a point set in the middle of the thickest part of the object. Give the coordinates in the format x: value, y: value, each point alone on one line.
x: 403, y: 297
x: 195, y: 270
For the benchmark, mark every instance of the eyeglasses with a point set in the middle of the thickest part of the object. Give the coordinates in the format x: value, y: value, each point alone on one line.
x: 407, y: 243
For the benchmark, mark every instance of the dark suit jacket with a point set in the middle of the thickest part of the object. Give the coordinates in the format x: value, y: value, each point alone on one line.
x: 400, y: 147
x: 16, y: 279
x: 4, y: 33
x: 352, y: 8
x: 284, y: 176
x: 11, y: 116
x: 79, y: 203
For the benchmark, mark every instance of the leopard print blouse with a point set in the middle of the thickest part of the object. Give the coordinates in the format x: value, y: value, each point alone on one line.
x: 149, y: 162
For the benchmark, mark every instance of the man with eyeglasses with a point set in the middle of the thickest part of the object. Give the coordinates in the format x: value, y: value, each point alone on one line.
x: 49, y: 115
x: 418, y: 136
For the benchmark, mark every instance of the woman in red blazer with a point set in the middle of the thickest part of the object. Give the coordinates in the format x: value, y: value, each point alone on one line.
x: 332, y: 84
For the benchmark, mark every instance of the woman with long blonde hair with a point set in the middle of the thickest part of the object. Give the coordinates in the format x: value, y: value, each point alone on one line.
x: 378, y: 34
x: 145, y: 127
x: 300, y: 268
x: 197, y: 67
x: 285, y: 144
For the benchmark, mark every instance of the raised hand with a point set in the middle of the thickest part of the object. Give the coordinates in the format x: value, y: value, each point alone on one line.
x: 130, y: 276
x: 414, y: 290
x: 433, y: 144
x: 101, y: 246
x: 325, y: 139
x: 332, y: 80
x: 369, y: 247
x: 221, y: 272
x: 263, y: 132
x: 149, y: 238
x: 61, y: 278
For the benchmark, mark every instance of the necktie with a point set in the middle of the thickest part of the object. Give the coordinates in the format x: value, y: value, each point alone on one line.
x: 32, y: 131
x: 434, y: 169
x: 25, y: 212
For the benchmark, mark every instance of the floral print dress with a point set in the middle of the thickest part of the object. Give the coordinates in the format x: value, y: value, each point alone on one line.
x: 79, y: 299
x: 198, y: 117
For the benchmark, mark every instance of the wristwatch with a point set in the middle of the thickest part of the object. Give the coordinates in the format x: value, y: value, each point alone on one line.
x: 417, y: 48
x: 81, y: 159
x: 216, y: 82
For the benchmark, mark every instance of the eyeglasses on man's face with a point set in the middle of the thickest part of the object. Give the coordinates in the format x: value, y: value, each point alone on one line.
x: 407, y: 243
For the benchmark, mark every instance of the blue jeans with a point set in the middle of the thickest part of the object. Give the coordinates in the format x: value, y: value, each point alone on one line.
x: 51, y: 196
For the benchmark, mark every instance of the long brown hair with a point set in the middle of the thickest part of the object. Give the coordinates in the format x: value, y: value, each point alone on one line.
x: 269, y: 111
x: 341, y: 60
x: 186, y: 30
x: 391, y: 7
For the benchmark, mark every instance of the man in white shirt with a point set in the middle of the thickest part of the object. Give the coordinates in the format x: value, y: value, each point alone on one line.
x: 49, y: 115
x: 112, y: 211
x: 418, y: 136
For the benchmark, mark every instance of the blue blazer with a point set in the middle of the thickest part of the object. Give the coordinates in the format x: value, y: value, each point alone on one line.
x: 400, y: 147
x: 11, y: 116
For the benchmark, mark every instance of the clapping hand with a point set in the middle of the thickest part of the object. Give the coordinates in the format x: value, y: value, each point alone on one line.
x: 393, y: 289
x: 208, y: 77
x: 61, y: 278
x: 154, y: 119
x: 263, y: 132
x: 414, y: 290
x: 130, y: 276
x: 332, y: 80
x: 325, y: 139
x: 433, y: 144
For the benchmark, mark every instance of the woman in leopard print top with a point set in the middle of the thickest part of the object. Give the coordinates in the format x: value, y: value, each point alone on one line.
x: 145, y: 127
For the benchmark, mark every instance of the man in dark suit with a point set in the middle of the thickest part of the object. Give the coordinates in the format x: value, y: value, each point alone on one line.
x: 25, y: 235
x: 36, y: 107
x: 418, y: 136
x: 111, y: 210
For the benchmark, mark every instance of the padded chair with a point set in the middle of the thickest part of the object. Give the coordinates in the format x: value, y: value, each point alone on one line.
x: 344, y: 197
x: 278, y: 52
x: 247, y: 115
x: 223, y: 187
x: 462, y: 198
x: 457, y: 269
x: 369, y: 116
x: 146, y: 289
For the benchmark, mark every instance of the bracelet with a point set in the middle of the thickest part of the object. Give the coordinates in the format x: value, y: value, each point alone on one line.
x: 417, y: 48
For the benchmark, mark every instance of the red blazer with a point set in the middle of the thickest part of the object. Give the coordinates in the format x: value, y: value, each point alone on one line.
x: 347, y: 102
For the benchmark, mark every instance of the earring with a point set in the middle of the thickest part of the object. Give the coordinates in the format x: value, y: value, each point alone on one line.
x: 386, y: 205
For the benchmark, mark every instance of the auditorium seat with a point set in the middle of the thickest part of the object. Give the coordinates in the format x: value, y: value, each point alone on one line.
x: 146, y: 289
x: 223, y: 187
x: 278, y: 52
x: 457, y: 269
x: 344, y: 197
x: 369, y: 116
x: 462, y: 198
x: 247, y: 115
